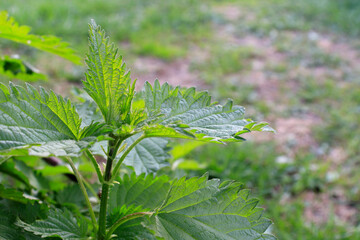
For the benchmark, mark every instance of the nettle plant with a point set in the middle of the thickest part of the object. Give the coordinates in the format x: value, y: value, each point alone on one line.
x: 131, y: 131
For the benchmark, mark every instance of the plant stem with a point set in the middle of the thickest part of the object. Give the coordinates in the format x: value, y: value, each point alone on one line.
x: 83, y: 189
x: 91, y: 189
x: 96, y: 165
x: 113, y: 146
x: 127, y: 151
x: 124, y: 220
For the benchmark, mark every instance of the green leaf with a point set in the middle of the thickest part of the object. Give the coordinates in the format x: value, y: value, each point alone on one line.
x: 9, y: 29
x: 7, y: 230
x: 15, y: 68
x: 13, y: 194
x: 107, y: 80
x: 198, y: 208
x: 136, y: 194
x: 58, y: 224
x: 149, y: 155
x: 133, y: 230
x: 10, y: 211
x: 10, y: 169
x: 88, y: 112
x: 189, y: 112
x: 130, y: 230
x: 70, y: 194
x: 145, y: 191
x: 39, y: 123
x: 35, y: 179
x: 181, y: 150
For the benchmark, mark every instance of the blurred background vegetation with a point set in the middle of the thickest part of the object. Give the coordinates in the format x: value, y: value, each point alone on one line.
x: 293, y: 63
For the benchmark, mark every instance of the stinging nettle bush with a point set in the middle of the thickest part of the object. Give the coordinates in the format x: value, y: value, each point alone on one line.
x: 131, y: 131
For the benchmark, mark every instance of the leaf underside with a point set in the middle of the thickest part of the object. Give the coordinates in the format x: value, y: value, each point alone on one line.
x: 148, y: 156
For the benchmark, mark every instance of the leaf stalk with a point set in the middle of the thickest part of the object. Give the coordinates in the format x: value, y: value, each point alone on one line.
x: 83, y: 189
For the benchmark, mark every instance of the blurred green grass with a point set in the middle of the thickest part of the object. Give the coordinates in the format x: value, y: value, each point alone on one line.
x: 140, y: 22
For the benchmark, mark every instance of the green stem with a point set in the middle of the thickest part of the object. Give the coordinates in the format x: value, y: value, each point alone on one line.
x: 88, y: 185
x: 127, y: 151
x: 96, y: 165
x: 124, y: 220
x: 83, y: 189
x: 113, y: 146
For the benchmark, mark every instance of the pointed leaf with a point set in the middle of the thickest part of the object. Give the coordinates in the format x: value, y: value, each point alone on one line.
x: 149, y: 155
x: 145, y: 191
x: 196, y: 208
x: 130, y: 230
x: 10, y: 169
x: 194, y: 113
x: 13, y: 194
x: 11, y: 30
x: 107, y: 81
x: 58, y: 224
x: 202, y: 209
x: 38, y: 123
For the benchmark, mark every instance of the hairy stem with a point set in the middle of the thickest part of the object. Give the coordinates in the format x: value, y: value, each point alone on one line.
x: 124, y: 220
x: 91, y: 189
x: 83, y: 189
x: 113, y: 147
x: 96, y: 165
x: 127, y: 151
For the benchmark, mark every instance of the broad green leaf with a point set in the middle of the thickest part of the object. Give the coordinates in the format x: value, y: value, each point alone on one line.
x: 9, y: 29
x: 134, y: 230
x: 194, y: 113
x: 15, y: 68
x: 88, y: 112
x: 58, y: 224
x: 181, y: 150
x: 70, y: 194
x: 149, y: 155
x: 10, y: 169
x: 7, y: 230
x: 13, y: 194
x: 36, y: 180
x: 136, y: 194
x: 145, y: 191
x: 10, y: 211
x: 198, y: 208
x: 40, y: 123
x: 130, y: 230
x: 107, y: 80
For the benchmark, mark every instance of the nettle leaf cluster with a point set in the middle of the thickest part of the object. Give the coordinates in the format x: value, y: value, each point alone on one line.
x: 121, y: 137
